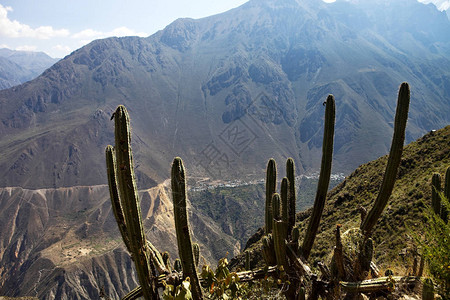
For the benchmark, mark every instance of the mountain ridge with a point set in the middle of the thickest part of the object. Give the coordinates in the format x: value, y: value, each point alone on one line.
x: 265, y: 67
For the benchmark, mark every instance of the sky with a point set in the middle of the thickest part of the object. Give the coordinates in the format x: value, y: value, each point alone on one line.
x: 58, y: 27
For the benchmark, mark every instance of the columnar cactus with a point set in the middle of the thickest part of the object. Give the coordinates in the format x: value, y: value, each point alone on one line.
x: 395, y: 154
x: 127, y: 208
x: 284, y: 200
x: 324, y: 177
x: 268, y: 250
x: 177, y: 265
x: 276, y: 207
x: 279, y: 233
x: 247, y: 260
x: 196, y: 250
x: 447, y: 184
x: 182, y: 227
x: 444, y: 209
x: 111, y: 167
x: 435, y: 190
x: 339, y: 255
x: 271, y: 184
x: 290, y: 174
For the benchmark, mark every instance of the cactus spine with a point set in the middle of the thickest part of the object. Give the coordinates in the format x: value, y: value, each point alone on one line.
x: 182, y: 228
x: 290, y: 174
x: 395, y: 154
x: 130, y: 203
x: 271, y: 184
x: 324, y: 177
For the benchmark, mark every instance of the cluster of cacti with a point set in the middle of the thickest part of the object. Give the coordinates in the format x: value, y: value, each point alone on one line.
x: 281, y: 234
x: 281, y: 242
x: 354, y: 268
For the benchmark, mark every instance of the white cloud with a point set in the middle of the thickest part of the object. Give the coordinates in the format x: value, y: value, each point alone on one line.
x: 91, y: 34
x: 14, y: 29
x: 88, y: 34
x: 440, y: 4
x: 62, y: 48
x: 26, y: 48
x: 124, y: 31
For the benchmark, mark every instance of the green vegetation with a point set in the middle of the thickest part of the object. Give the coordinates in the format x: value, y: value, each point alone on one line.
x: 406, y: 207
x: 435, y: 241
x: 286, y: 260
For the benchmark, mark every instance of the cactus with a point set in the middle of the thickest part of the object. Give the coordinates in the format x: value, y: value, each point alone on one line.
x: 339, y: 254
x: 290, y: 174
x: 295, y: 234
x: 167, y: 262
x: 279, y: 242
x: 130, y: 220
x: 301, y: 294
x: 276, y: 207
x: 284, y: 200
x: 182, y: 227
x: 444, y: 209
x: 447, y: 184
x: 111, y: 167
x: 271, y: 184
x: 364, y: 259
x: 268, y: 250
x: 428, y: 289
x: 401, y: 117
x: 435, y: 190
x: 247, y: 260
x: 196, y: 249
x: 324, y: 177
x: 177, y: 265
x: 279, y: 233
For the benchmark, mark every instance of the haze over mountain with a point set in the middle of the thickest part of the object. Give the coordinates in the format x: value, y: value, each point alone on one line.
x: 16, y: 67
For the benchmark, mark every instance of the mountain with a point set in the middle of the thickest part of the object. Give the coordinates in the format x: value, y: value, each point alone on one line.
x: 225, y: 93
x: 17, y: 67
x: 404, y: 215
x: 64, y: 243
x: 229, y: 91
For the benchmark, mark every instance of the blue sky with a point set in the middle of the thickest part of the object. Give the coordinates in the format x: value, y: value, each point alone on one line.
x: 58, y: 27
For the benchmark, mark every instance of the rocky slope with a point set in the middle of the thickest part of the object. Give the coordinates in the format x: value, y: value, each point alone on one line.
x: 229, y: 91
x: 64, y: 243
